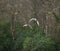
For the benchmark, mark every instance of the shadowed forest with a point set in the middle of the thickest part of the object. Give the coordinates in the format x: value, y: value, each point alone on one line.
x: 29, y: 25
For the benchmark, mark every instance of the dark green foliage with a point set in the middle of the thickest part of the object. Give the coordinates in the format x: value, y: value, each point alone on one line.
x: 5, y: 36
x: 33, y: 39
x: 26, y: 39
x: 58, y: 46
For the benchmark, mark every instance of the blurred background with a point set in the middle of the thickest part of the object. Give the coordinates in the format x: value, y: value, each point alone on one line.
x: 24, y: 10
x: 16, y: 13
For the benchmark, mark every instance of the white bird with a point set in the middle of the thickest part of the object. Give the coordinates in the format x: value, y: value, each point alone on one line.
x: 34, y: 19
x: 28, y: 24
